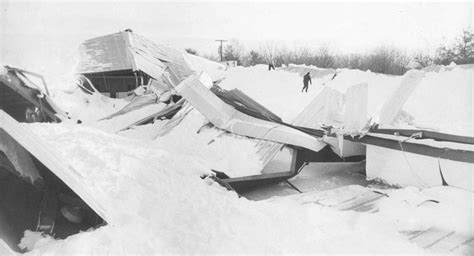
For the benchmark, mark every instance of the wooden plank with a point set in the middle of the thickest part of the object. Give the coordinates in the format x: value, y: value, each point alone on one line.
x: 166, y: 110
x: 249, y: 102
x: 261, y: 177
x: 421, y: 149
x: 437, y: 136
x: 362, y: 203
x: 430, y: 237
x: 450, y: 243
x: 227, y: 118
x: 343, y: 198
x: 466, y: 246
x: 49, y: 208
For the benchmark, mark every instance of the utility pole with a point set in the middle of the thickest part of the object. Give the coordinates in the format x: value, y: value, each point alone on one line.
x: 220, y: 47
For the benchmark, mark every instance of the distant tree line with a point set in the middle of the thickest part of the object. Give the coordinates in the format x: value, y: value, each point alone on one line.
x: 384, y: 59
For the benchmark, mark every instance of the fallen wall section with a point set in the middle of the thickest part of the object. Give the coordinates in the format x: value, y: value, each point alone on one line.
x: 53, y: 161
x: 227, y: 118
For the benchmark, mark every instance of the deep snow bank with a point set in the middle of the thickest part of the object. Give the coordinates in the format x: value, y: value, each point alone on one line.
x: 161, y: 205
x: 280, y: 90
x: 277, y: 90
x: 198, y: 64
x: 85, y: 107
x: 443, y: 101
x: 442, y: 208
x: 235, y: 155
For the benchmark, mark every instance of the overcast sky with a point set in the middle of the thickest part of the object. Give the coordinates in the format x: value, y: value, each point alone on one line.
x: 26, y: 28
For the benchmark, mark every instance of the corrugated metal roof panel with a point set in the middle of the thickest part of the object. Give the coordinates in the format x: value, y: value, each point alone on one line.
x: 227, y: 118
x: 128, y: 51
x: 149, y: 55
x: 103, y: 54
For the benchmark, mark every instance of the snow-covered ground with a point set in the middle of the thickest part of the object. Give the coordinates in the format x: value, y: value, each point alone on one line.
x: 161, y: 205
x: 443, y: 101
x: 151, y: 185
x: 235, y: 155
x: 277, y: 90
x: 215, y: 70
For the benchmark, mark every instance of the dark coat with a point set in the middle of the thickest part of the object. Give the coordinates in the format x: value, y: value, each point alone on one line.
x: 306, y: 79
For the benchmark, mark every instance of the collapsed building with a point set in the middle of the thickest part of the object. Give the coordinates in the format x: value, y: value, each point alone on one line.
x: 159, y: 78
x: 52, y: 198
x: 33, y: 195
x: 26, y: 100
x: 119, y: 63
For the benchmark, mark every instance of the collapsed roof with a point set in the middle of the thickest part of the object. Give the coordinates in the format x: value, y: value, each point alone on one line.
x: 126, y: 54
x: 25, y: 100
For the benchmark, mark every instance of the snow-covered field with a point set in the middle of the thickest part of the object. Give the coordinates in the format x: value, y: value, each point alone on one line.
x: 278, y: 90
x: 161, y: 205
x: 158, y: 204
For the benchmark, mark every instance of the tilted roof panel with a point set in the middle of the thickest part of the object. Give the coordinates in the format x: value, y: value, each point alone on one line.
x: 103, y: 54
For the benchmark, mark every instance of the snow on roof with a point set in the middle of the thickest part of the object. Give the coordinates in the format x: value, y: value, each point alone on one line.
x: 215, y: 70
x: 103, y: 54
x: 149, y: 56
x: 443, y: 101
x: 227, y: 118
x: 314, y: 71
x: 128, y: 51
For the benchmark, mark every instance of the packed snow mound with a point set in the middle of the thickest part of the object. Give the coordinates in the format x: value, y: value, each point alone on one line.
x: 161, y: 205
x: 198, y: 64
x: 382, y: 85
x: 330, y: 104
x: 86, y: 107
x: 435, y: 100
x: 218, y: 150
x: 443, y: 208
x: 314, y: 71
x: 443, y: 101
x: 277, y: 90
x: 379, y: 88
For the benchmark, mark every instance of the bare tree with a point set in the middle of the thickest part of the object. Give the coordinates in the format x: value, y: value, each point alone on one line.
x: 234, y: 51
x: 422, y: 60
x: 325, y: 58
x: 460, y: 52
x: 267, y: 50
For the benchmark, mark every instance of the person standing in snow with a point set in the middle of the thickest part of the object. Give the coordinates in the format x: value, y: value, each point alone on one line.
x: 271, y: 65
x: 306, y: 80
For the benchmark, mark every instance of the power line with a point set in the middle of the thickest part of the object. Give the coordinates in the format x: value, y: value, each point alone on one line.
x: 220, y: 47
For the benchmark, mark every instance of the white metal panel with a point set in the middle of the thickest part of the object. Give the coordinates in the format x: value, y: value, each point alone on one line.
x: 227, y: 118
x: 355, y: 110
x: 105, y: 53
x: 409, y: 169
x: 327, y: 108
x: 48, y: 156
x: 395, y: 103
x: 402, y: 168
x: 19, y: 157
x: 154, y: 59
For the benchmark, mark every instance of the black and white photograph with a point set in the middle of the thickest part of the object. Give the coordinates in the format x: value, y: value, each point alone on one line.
x: 236, y: 127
